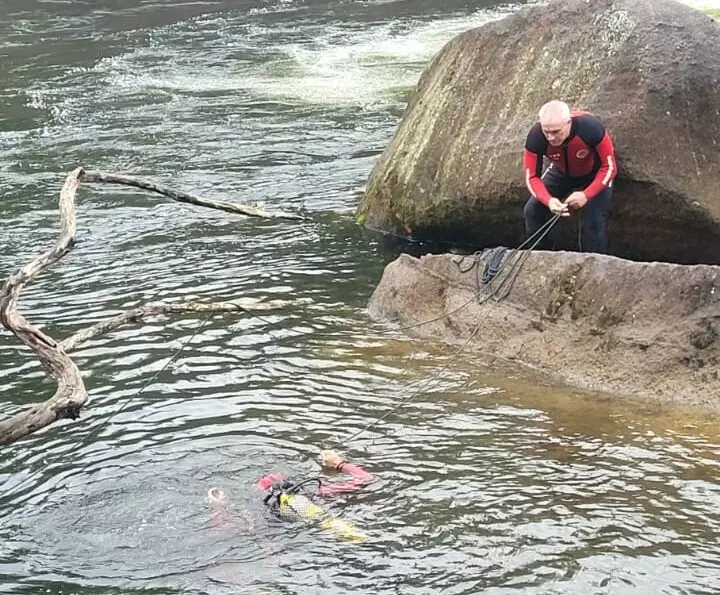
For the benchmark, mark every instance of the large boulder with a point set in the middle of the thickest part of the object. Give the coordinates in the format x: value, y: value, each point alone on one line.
x: 649, y: 330
x: 649, y: 68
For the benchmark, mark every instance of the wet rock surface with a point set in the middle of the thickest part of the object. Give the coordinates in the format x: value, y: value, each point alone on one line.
x: 648, y: 330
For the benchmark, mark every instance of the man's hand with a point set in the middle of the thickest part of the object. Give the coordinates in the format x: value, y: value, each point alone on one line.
x: 576, y: 200
x: 330, y: 459
x: 557, y: 206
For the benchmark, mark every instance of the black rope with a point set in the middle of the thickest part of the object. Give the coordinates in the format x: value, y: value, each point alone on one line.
x: 516, y: 267
x: 423, y: 385
x: 165, y: 366
x: 579, y: 227
x: 296, y: 488
x: 538, y: 236
x: 493, y: 264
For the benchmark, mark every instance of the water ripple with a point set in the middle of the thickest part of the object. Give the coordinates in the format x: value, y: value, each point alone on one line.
x: 486, y: 479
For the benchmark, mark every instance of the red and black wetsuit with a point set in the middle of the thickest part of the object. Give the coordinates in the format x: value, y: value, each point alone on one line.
x: 218, y: 498
x: 586, y: 158
x: 359, y: 477
x: 585, y: 161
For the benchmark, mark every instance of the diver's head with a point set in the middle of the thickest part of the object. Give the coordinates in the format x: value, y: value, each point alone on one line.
x: 216, y: 496
x: 555, y: 122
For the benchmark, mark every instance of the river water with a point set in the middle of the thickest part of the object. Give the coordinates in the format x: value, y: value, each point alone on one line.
x: 488, y: 480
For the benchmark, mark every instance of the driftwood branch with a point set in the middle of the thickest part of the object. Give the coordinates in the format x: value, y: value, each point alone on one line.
x: 159, y: 308
x: 71, y: 394
x: 179, y: 196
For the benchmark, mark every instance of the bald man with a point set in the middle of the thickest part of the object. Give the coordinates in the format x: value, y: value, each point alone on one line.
x: 582, y: 168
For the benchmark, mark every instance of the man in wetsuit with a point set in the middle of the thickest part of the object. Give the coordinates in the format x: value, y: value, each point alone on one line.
x: 582, y: 168
x: 332, y: 460
x: 288, y: 497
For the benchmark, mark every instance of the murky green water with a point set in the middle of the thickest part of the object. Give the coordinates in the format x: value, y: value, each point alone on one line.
x: 489, y: 481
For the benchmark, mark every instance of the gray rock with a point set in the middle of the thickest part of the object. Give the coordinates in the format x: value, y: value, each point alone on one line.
x: 650, y: 330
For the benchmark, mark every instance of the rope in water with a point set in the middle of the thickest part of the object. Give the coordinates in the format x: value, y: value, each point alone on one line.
x: 514, y: 270
x: 147, y: 383
x: 536, y: 238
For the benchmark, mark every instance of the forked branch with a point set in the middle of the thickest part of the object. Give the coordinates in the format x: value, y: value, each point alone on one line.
x: 71, y: 394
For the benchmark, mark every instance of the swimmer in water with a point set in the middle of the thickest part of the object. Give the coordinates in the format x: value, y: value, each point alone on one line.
x: 293, y: 498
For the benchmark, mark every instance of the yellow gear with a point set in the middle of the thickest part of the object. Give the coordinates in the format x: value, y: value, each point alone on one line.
x: 299, y: 506
x: 342, y: 528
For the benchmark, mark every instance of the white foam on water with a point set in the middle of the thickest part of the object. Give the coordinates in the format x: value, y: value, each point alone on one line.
x: 363, y: 68
x: 341, y: 65
x: 370, y: 67
x: 180, y: 71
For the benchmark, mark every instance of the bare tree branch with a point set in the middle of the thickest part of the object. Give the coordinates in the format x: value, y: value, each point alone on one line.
x: 179, y: 196
x: 157, y: 308
x: 71, y: 394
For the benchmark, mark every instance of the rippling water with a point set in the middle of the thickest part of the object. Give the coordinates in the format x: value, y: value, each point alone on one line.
x: 490, y: 480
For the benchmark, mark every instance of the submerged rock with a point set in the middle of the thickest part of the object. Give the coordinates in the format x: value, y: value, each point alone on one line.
x: 649, y: 68
x: 651, y: 330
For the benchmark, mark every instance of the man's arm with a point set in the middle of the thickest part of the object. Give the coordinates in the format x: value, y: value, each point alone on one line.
x: 592, y: 131
x: 535, y: 146
x: 608, y: 168
x: 359, y: 477
x: 532, y: 165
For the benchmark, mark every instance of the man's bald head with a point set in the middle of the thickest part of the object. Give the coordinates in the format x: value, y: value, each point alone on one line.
x: 555, y: 121
x: 554, y: 111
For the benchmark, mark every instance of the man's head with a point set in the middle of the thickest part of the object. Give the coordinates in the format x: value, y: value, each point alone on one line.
x: 217, y: 496
x: 555, y: 121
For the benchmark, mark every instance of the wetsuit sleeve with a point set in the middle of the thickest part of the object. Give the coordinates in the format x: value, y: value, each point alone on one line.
x: 608, y: 167
x: 359, y: 478
x: 535, y: 146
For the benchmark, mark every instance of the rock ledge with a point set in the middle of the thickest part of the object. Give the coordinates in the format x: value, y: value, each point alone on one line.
x: 649, y: 330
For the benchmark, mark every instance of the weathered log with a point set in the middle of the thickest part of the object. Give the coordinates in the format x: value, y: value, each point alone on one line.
x: 158, y: 308
x: 71, y: 394
x: 180, y: 196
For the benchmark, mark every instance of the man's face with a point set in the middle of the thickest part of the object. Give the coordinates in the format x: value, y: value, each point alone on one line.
x: 556, y: 131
